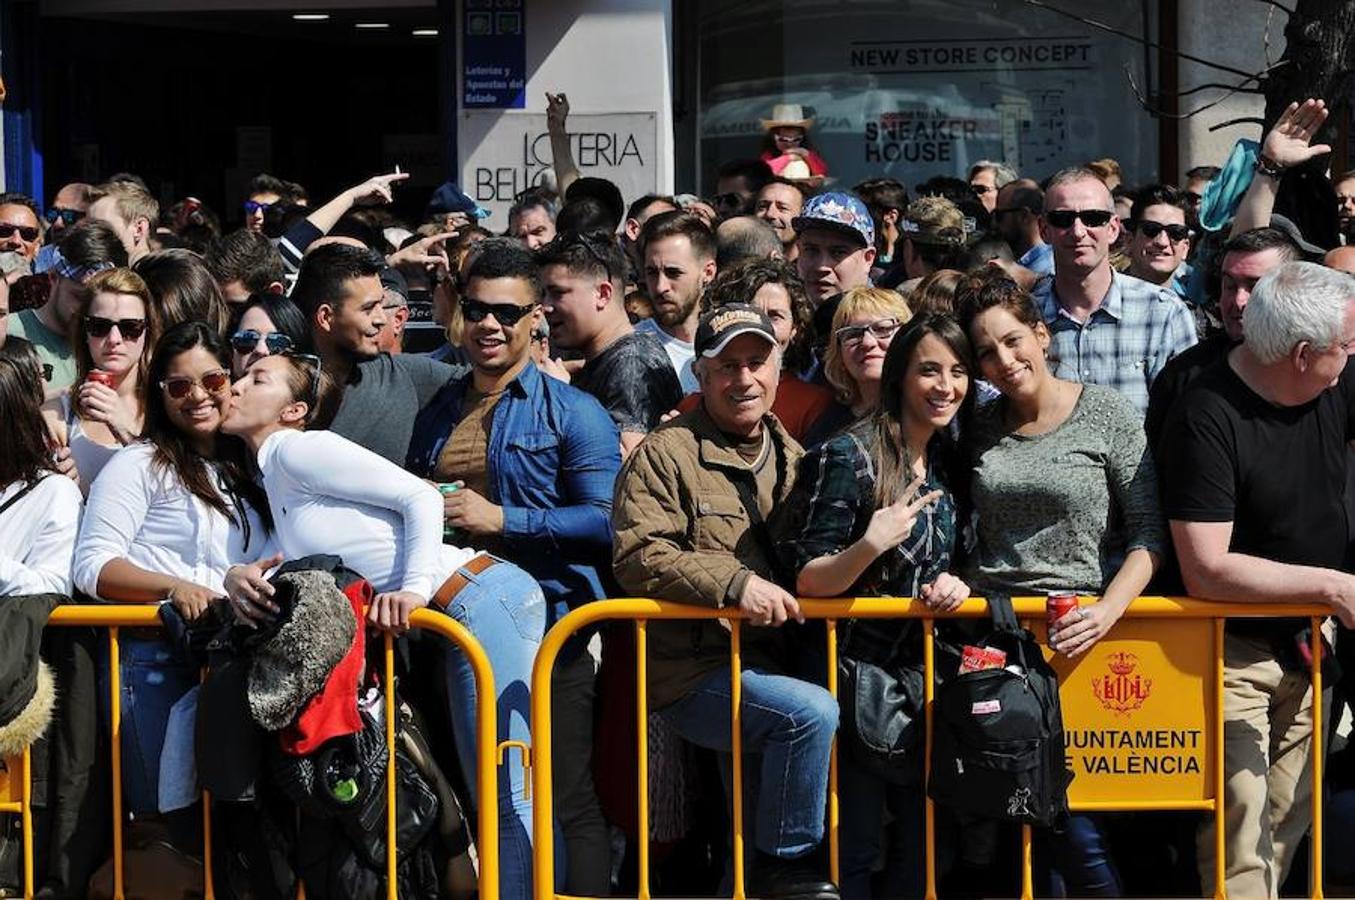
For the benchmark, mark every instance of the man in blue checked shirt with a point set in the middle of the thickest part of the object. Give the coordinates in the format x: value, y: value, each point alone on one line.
x: 1107, y: 328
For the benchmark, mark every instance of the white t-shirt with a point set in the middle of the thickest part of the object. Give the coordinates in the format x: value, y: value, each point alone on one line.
x: 682, y: 353
x: 144, y: 514
x: 330, y: 495
x: 37, y: 537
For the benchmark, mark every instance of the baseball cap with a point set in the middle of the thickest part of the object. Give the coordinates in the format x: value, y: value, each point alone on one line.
x: 724, y: 323
x: 449, y: 198
x: 838, y: 211
x: 1287, y: 225
x: 934, y: 221
x: 393, y: 280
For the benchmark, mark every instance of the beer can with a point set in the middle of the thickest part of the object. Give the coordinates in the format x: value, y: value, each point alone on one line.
x: 99, y: 376
x: 450, y: 534
x: 1057, y: 605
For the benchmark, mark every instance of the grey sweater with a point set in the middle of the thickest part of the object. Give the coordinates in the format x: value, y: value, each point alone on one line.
x: 382, y: 399
x: 1061, y: 509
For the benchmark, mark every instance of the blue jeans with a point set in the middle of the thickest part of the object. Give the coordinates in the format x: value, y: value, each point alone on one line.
x: 504, y: 609
x: 864, y: 799
x: 791, y: 723
x: 153, y: 680
x: 1082, y: 861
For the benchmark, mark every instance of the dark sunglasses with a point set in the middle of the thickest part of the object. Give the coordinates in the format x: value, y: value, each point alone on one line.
x: 314, y: 360
x: 67, y: 216
x: 729, y: 199
x: 213, y: 382
x: 99, y: 327
x: 506, y: 314
x: 592, y: 244
x: 253, y: 206
x: 981, y: 189
x: 1092, y: 218
x: 1150, y: 230
x: 246, y: 341
x: 25, y: 232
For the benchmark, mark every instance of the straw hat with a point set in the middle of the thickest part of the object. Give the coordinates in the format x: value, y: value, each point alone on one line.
x: 788, y: 115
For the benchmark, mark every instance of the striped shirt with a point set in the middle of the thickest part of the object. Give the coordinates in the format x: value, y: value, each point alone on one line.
x: 1125, y: 343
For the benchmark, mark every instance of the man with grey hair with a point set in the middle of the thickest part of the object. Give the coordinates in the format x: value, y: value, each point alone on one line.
x: 1253, y: 466
x: 986, y: 176
x: 1105, y: 327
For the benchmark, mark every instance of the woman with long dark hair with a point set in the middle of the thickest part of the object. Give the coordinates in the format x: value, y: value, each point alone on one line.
x: 1065, y: 498
x: 875, y: 513
x: 166, y: 519
x: 39, y: 510
x: 103, y: 410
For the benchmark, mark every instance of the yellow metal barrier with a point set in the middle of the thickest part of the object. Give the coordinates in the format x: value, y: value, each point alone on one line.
x: 1118, y: 691
x: 115, y: 617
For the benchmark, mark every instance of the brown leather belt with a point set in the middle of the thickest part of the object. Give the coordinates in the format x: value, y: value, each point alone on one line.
x: 457, y: 581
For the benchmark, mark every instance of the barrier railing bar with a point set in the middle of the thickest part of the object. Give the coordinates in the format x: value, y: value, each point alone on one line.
x: 736, y: 748
x: 1027, y: 879
x: 1220, y: 825
x: 1316, y: 648
x: 115, y: 689
x: 208, y: 891
x: 642, y: 747
x: 388, y: 673
x: 928, y: 696
x: 834, y: 811
x: 873, y: 608
x: 26, y: 818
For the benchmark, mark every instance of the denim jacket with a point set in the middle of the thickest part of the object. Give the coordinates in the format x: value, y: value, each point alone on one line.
x: 553, y: 457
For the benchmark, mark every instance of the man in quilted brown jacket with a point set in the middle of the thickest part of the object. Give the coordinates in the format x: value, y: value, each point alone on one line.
x: 689, y: 527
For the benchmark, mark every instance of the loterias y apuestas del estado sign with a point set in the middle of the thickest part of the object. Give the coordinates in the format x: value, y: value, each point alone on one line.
x: 494, y: 54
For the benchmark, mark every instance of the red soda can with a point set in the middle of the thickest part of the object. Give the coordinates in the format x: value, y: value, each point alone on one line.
x: 99, y: 376
x: 1057, y: 605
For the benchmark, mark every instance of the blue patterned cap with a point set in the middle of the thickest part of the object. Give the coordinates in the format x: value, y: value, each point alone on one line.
x: 839, y: 211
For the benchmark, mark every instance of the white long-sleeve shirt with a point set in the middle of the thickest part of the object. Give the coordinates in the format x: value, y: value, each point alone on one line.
x: 145, y: 515
x: 330, y: 495
x: 37, y: 537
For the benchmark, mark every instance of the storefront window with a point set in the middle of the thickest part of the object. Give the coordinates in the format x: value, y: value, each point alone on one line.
x: 928, y: 87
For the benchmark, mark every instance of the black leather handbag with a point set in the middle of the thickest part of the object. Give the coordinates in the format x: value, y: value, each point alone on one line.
x: 881, y: 699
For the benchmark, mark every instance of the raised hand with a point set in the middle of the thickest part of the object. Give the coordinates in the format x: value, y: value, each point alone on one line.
x: 1289, y: 141
x: 890, y: 525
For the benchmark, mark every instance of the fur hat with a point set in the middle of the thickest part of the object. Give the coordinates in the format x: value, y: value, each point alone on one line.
x: 292, y: 665
x: 27, y: 687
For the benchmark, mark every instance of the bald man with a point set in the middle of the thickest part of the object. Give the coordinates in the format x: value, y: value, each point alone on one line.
x: 1342, y: 258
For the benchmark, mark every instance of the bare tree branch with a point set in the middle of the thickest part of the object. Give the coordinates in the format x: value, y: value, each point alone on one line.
x: 1242, y: 120
x: 1231, y: 89
x: 1280, y: 6
x: 1102, y: 26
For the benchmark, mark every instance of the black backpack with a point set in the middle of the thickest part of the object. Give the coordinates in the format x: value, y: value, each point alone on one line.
x: 998, y: 751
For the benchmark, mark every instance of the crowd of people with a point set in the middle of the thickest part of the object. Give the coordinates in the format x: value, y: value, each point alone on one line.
x: 998, y: 385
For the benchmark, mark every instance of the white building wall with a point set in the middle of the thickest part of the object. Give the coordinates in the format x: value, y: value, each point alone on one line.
x: 1230, y: 32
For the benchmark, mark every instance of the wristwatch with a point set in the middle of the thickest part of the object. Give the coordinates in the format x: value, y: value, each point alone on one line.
x: 1269, y: 168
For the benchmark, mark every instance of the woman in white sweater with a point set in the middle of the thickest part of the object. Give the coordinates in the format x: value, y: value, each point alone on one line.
x: 330, y: 495
x: 165, y: 520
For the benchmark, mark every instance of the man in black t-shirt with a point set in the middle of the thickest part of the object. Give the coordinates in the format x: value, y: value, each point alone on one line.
x: 1246, y: 257
x: 1254, y: 474
x: 629, y: 372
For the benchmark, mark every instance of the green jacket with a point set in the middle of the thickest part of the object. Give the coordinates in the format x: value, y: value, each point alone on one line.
x: 681, y: 534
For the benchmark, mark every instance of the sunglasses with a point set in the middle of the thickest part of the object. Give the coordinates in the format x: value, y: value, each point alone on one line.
x: 26, y: 233
x: 253, y: 206
x: 99, y: 327
x: 506, y: 314
x: 246, y: 341
x: 882, y: 329
x: 1150, y: 230
x: 729, y: 199
x: 1092, y: 218
x: 591, y: 244
x: 314, y: 360
x: 178, y: 387
x: 67, y: 216
x: 981, y: 189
